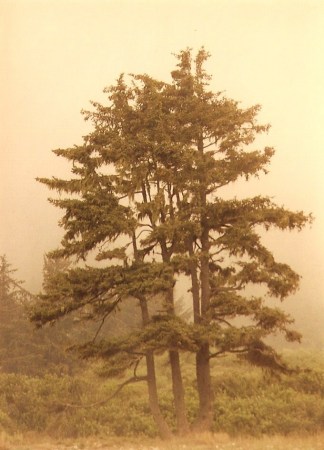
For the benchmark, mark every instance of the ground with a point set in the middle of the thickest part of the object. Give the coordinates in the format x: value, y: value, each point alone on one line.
x: 195, y: 442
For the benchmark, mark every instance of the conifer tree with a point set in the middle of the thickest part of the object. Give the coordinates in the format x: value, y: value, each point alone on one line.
x: 22, y: 349
x: 98, y: 219
x: 223, y: 253
x: 13, y: 322
x: 146, y: 199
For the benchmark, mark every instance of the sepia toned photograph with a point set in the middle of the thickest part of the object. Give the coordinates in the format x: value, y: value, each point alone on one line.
x: 162, y: 224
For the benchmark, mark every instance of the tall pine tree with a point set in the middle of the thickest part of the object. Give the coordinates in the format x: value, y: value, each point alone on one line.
x: 146, y: 199
x: 223, y: 253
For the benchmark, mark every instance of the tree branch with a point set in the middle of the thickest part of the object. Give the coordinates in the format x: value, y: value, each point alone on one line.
x: 115, y: 303
x: 20, y: 287
x: 134, y: 379
x: 221, y: 352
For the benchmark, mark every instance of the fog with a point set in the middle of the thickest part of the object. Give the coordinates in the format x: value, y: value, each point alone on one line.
x: 58, y: 55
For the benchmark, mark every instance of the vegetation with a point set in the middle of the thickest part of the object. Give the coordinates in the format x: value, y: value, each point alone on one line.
x: 48, y: 399
x: 24, y: 350
x: 144, y: 210
x: 248, y: 402
x: 145, y: 200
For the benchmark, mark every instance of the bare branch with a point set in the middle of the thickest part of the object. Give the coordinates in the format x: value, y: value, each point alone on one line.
x: 219, y: 319
x: 222, y: 352
x: 210, y: 144
x: 134, y: 379
x: 136, y: 366
x: 214, y: 355
x: 115, y: 303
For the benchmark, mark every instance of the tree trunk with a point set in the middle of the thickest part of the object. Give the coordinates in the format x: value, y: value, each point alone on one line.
x: 163, y: 427
x: 205, y: 415
x: 200, y: 298
x: 177, y: 382
x: 178, y: 393
x: 195, y: 288
x: 204, y: 420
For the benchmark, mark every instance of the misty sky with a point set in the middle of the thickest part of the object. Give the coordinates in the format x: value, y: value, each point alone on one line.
x: 57, y: 55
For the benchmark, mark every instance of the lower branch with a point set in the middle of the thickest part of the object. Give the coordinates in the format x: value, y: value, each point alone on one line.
x: 134, y: 379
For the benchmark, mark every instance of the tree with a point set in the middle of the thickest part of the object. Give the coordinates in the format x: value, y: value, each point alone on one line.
x: 13, y: 324
x: 146, y: 200
x: 97, y: 217
x: 102, y: 204
x: 223, y: 252
x: 21, y: 349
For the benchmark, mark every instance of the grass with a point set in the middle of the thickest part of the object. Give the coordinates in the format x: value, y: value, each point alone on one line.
x: 204, y: 441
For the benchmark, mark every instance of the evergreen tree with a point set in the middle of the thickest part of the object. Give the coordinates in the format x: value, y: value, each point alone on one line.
x: 22, y: 349
x: 98, y: 216
x: 13, y: 323
x: 223, y: 251
x: 146, y: 200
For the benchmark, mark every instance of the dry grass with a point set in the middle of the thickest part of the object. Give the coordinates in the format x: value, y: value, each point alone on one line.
x: 225, y: 442
x: 204, y: 441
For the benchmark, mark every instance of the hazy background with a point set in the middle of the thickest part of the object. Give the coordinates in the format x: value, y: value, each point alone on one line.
x: 57, y: 55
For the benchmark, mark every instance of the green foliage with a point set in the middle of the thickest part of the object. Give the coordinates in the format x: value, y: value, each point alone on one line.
x: 251, y: 402
x: 46, y: 405
x: 248, y: 401
x: 269, y: 410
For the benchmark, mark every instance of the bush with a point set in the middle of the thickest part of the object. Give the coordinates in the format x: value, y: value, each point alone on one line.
x: 247, y: 401
x: 251, y: 403
x: 44, y: 405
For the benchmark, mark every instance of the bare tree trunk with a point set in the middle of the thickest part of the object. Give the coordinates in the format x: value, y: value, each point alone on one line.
x: 195, y: 288
x: 205, y: 415
x: 177, y: 382
x: 205, y: 391
x: 163, y: 427
x: 204, y: 420
x: 178, y: 393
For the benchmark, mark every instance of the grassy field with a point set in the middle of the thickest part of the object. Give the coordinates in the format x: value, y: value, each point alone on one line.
x: 193, y: 442
x: 270, y: 412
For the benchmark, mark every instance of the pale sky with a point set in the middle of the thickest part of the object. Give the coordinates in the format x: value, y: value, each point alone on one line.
x: 57, y: 55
